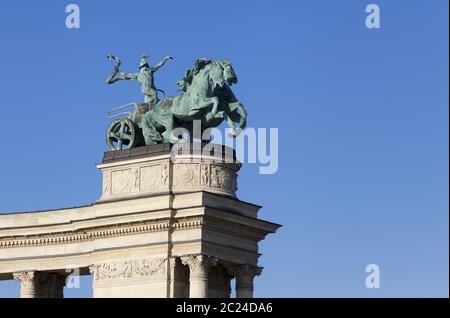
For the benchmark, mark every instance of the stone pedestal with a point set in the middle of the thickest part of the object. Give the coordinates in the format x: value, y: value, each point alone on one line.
x: 166, y: 225
x: 159, y: 169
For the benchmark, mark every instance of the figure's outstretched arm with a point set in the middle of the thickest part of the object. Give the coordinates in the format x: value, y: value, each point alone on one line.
x: 164, y: 60
x: 122, y: 76
x: 129, y: 76
x: 116, y: 70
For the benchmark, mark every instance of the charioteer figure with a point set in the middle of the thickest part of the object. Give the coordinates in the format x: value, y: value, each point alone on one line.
x: 145, y: 77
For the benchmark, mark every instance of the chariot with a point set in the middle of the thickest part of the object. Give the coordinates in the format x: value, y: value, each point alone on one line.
x: 125, y: 131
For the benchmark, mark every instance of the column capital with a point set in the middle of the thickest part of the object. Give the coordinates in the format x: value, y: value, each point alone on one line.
x: 26, y: 278
x: 246, y: 270
x: 244, y: 274
x: 198, y: 265
x: 28, y: 283
x: 35, y: 284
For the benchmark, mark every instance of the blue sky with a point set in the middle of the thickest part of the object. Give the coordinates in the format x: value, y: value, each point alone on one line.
x: 362, y: 117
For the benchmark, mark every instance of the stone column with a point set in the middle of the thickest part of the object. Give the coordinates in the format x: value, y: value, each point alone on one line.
x: 244, y: 279
x: 29, y: 285
x: 219, y: 282
x: 54, y: 285
x: 41, y: 285
x: 198, y: 274
x: 179, y: 280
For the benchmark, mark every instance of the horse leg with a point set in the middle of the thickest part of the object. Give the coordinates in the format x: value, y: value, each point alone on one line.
x: 215, y: 105
x: 167, y: 134
x: 238, y: 117
x: 151, y: 135
x: 233, y: 117
x: 233, y: 132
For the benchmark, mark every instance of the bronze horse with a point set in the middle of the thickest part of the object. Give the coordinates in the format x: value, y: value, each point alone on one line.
x: 207, y: 97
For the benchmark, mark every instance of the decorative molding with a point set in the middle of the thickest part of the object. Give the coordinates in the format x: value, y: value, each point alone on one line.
x: 215, y: 224
x: 87, y: 234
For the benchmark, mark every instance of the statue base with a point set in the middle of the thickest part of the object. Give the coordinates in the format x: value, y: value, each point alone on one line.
x: 157, y: 169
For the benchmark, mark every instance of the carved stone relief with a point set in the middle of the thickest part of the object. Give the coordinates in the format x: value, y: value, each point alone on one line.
x: 204, y: 175
x: 130, y: 270
x: 186, y: 175
x: 155, y: 176
x: 150, y: 177
x: 121, y: 181
x: 106, y: 182
x: 223, y: 178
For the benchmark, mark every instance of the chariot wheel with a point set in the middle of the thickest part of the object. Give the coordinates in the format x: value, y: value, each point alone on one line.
x: 121, y: 134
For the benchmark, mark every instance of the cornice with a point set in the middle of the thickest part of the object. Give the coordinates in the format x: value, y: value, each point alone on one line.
x: 140, y: 227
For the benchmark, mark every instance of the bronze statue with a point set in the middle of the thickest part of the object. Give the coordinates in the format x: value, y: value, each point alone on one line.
x: 206, y: 97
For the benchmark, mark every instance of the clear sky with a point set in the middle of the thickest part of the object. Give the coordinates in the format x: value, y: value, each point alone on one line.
x: 362, y: 117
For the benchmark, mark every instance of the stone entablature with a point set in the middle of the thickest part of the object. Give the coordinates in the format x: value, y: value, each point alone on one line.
x: 203, y: 221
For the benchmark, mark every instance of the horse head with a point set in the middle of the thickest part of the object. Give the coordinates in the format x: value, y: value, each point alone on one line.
x: 228, y: 72
x: 221, y: 73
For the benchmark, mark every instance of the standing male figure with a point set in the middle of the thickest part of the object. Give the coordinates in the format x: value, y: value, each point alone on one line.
x: 145, y: 77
